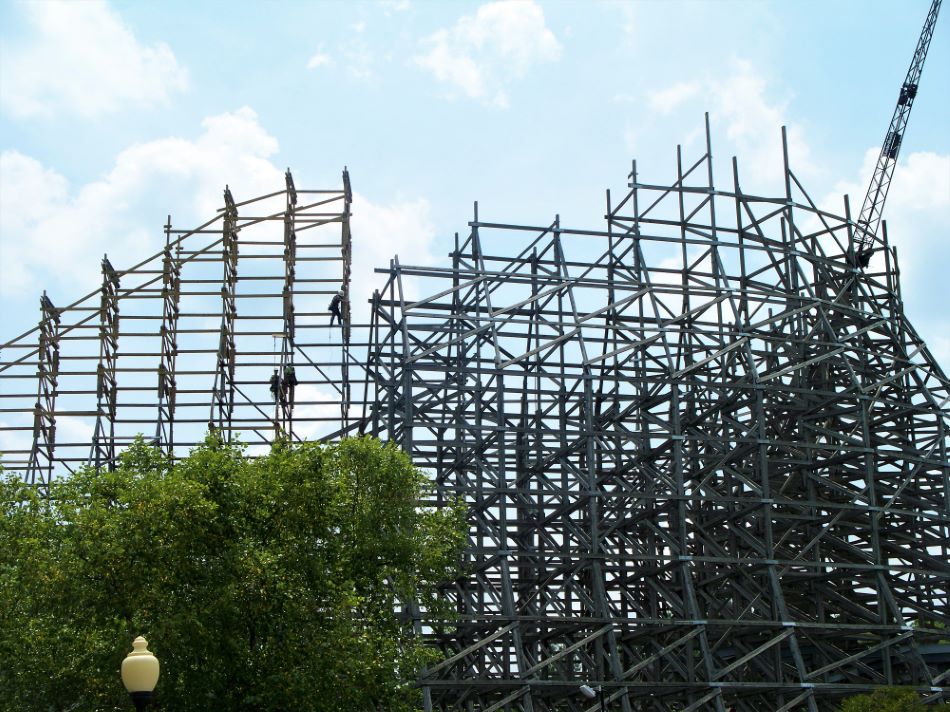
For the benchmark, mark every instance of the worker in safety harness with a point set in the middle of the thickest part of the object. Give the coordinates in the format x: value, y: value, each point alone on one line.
x: 290, y: 382
x: 335, y: 304
x: 275, y: 385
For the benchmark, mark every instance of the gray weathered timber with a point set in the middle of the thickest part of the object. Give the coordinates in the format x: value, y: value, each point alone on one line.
x: 705, y: 457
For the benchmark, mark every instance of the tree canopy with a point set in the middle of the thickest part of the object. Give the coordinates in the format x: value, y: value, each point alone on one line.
x: 261, y: 584
x: 886, y: 699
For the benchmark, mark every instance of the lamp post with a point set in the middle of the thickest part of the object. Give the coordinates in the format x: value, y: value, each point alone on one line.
x: 140, y: 673
x: 590, y: 693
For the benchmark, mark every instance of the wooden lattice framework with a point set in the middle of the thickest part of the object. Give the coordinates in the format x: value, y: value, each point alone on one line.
x: 705, y: 457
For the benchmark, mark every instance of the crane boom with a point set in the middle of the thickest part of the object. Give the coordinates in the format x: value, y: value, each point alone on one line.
x: 870, y: 217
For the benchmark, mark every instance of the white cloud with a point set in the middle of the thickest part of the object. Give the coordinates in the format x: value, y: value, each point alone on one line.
x: 28, y: 192
x: 918, y: 219
x: 391, y: 6
x: 481, y: 55
x: 630, y: 139
x: 15, y: 441
x: 84, y: 60
x: 940, y: 348
x: 917, y: 209
x: 354, y: 54
x: 46, y: 229
x: 358, y: 58
x: 319, y: 59
x: 317, y: 413
x: 16, y: 435
x: 628, y: 23
x: 741, y: 102
x: 753, y: 122
x: 402, y: 228
x: 666, y: 100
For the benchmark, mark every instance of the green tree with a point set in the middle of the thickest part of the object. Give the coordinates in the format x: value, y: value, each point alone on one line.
x: 889, y: 699
x: 261, y: 584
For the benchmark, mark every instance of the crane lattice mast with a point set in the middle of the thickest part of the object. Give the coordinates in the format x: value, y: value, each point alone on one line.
x: 870, y: 217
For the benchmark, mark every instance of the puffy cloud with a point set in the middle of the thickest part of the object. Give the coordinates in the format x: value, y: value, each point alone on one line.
x: 742, y: 105
x: 82, y: 59
x: 917, y: 210
x: 353, y: 53
x: 29, y: 192
x: 918, y: 219
x: 630, y: 139
x: 15, y: 444
x: 46, y: 229
x: 752, y: 121
x: 666, y: 100
x: 380, y: 232
x: 940, y: 348
x: 319, y: 59
x: 358, y: 57
x: 16, y: 435
x: 317, y: 413
x: 391, y: 6
x: 627, y: 12
x: 482, y: 54
x: 52, y: 233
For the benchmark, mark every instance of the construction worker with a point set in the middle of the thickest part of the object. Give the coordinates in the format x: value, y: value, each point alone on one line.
x: 275, y: 385
x: 335, y: 304
x: 290, y: 381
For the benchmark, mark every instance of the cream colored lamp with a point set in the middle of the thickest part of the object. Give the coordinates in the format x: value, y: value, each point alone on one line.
x: 140, y: 673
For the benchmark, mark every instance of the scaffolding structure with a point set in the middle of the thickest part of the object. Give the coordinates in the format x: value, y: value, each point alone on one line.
x: 190, y: 339
x: 705, y: 458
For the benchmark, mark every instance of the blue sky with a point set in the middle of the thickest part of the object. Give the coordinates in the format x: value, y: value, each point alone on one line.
x: 113, y: 115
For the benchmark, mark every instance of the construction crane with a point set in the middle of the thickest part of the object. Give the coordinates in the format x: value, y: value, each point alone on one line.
x: 870, y: 216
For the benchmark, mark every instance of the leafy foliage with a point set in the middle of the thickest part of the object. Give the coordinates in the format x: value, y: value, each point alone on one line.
x: 260, y: 584
x: 890, y: 699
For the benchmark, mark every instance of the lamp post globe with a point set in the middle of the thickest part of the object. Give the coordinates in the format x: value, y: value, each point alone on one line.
x: 140, y: 671
x: 591, y: 693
